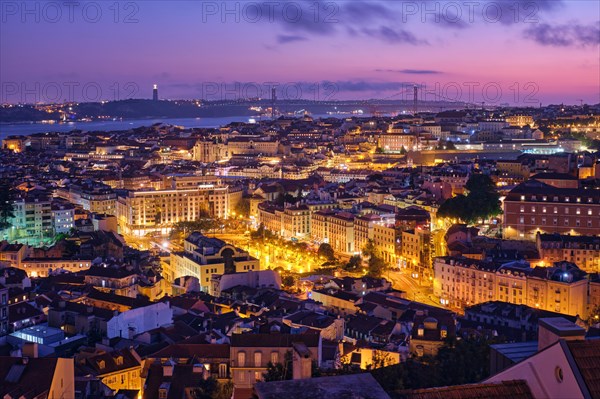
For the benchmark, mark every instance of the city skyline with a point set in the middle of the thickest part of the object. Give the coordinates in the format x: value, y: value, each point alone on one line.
x: 503, y: 52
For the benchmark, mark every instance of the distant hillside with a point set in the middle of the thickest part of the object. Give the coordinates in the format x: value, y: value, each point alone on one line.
x: 25, y: 114
x: 149, y: 109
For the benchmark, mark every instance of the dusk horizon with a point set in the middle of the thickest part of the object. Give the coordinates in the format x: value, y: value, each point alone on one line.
x: 543, y: 51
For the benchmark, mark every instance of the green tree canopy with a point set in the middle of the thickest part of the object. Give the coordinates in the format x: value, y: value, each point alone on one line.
x: 376, y: 266
x: 6, y: 204
x: 481, y: 202
x: 354, y: 263
x: 243, y: 207
x: 326, y: 251
x: 280, y: 371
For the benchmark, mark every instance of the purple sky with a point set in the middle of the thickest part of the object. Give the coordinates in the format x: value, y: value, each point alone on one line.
x: 515, y: 51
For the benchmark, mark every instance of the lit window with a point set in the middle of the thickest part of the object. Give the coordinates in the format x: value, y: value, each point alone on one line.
x: 241, y: 357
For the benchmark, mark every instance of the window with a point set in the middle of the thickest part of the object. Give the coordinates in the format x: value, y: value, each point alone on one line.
x: 257, y: 359
x: 222, y: 370
x: 558, y: 373
x: 241, y: 358
x: 274, y: 357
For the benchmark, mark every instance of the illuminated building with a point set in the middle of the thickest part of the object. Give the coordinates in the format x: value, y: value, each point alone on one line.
x: 208, y: 150
x: 145, y: 211
x: 32, y: 219
x: 92, y: 196
x: 415, y: 249
x: 460, y: 282
x: 337, y: 229
x: 117, y: 370
x: 534, y: 207
x: 386, y: 238
x: 42, y: 267
x: 63, y: 218
x: 12, y: 254
x: 15, y: 144
x: 204, y: 257
x: 584, y: 251
x: 396, y: 142
x: 520, y: 120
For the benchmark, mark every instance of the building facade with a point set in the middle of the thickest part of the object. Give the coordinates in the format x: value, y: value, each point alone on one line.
x: 562, y: 288
x: 143, y: 212
x: 204, y: 257
x: 534, y: 207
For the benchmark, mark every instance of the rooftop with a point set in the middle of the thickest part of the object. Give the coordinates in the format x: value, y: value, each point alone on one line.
x: 355, y: 386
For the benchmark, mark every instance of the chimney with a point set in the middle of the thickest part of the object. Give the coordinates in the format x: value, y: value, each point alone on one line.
x: 30, y: 349
x: 552, y: 329
x: 167, y: 370
x: 302, y: 361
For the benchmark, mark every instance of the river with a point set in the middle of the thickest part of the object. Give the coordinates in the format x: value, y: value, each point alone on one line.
x: 23, y: 129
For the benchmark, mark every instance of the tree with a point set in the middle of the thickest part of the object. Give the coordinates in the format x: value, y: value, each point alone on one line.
x: 326, y: 251
x: 380, y: 359
x: 211, y: 389
x: 6, y: 205
x: 403, y: 151
x: 458, y: 361
x: 279, y: 371
x: 376, y: 266
x: 354, y: 263
x: 445, y: 145
x: 594, y: 317
x: 288, y: 281
x: 481, y: 202
x: 369, y: 249
x: 376, y: 263
x: 243, y: 207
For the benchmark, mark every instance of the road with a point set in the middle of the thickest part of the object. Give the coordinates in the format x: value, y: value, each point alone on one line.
x: 404, y: 282
x: 272, y: 254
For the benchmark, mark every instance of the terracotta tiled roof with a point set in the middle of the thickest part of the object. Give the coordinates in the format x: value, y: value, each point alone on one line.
x: 358, y: 386
x: 18, y: 379
x: 273, y: 340
x: 198, y: 351
x: 505, y: 389
x: 587, y: 357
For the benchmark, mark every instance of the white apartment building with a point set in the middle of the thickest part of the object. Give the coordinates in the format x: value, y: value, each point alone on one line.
x: 142, y: 212
x: 63, y: 218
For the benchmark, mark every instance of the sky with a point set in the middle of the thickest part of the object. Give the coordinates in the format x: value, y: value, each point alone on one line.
x: 518, y: 52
